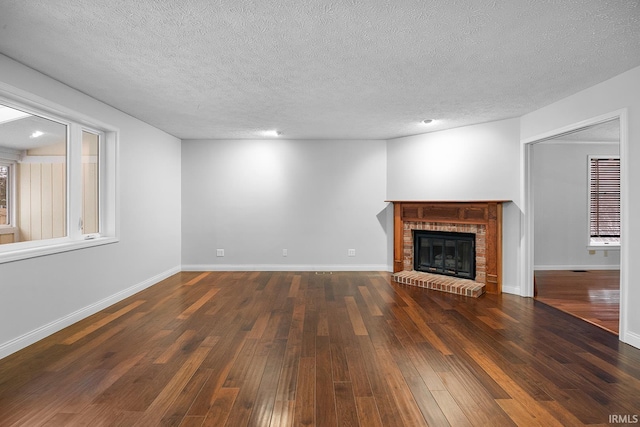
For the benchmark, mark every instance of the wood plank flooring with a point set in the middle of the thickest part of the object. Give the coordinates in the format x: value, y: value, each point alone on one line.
x: 341, y: 349
x: 593, y: 296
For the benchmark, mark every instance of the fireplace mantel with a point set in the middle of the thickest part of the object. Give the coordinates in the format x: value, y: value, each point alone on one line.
x: 484, y: 213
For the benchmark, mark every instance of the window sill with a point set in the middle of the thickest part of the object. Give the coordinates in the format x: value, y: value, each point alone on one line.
x: 15, y: 253
x: 600, y: 246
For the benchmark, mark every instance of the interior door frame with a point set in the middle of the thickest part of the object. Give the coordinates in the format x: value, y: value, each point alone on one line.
x: 527, y: 260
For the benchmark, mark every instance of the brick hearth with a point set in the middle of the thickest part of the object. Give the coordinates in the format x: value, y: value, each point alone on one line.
x: 439, y: 282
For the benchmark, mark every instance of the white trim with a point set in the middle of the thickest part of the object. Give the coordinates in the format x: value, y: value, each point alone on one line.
x: 527, y: 194
x: 74, y: 182
x: 527, y: 251
x: 570, y: 142
x: 285, y: 267
x: 625, y: 220
x: 54, y: 159
x: 28, y: 101
x: 604, y: 247
x: 556, y: 133
x: 7, y: 229
x: 9, y: 154
x: 632, y: 338
x: 44, y: 331
x: 38, y: 248
x: 575, y: 267
x: 11, y: 201
x: 43, y: 159
x: 513, y: 290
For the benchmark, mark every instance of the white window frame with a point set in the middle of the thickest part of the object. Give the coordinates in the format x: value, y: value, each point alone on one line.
x: 595, y: 243
x: 9, y: 166
x: 108, y: 179
x: 101, y: 153
x: 10, y: 228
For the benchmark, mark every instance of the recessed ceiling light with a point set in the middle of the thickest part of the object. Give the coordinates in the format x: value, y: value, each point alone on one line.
x: 272, y: 133
x: 427, y: 121
x: 36, y: 134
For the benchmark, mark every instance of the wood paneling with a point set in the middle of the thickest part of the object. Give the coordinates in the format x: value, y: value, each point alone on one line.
x: 90, y: 197
x: 298, y: 348
x: 41, y: 200
x: 450, y: 212
x: 58, y: 199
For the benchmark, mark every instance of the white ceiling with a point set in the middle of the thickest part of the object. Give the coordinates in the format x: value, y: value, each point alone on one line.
x: 17, y: 134
x: 323, y: 69
x: 603, y: 133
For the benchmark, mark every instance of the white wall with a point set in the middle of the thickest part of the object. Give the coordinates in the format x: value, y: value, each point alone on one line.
x: 41, y: 295
x: 620, y: 92
x: 479, y: 162
x: 314, y: 198
x: 560, y: 191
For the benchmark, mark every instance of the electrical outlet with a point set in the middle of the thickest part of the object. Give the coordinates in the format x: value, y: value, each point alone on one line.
x: 284, y: 252
x: 351, y: 252
x: 219, y: 252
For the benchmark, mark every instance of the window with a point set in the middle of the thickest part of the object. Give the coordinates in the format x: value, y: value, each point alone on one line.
x: 37, y: 150
x: 604, y: 200
x: 4, y: 194
x: 7, y: 231
x: 57, y: 181
x: 90, y: 182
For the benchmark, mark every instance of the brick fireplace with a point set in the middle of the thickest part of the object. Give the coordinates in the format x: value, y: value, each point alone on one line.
x: 482, y: 218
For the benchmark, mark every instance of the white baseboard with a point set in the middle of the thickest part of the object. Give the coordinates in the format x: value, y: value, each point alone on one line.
x: 513, y: 290
x: 35, y: 335
x: 576, y: 267
x: 632, y: 339
x: 285, y: 267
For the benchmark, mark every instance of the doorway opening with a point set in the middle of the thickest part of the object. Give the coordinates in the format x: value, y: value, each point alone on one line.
x: 574, y: 271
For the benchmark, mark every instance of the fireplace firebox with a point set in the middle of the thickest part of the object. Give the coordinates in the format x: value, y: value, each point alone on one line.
x: 448, y: 253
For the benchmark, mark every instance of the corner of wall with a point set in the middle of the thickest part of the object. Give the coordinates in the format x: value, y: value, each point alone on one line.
x: 42, y: 332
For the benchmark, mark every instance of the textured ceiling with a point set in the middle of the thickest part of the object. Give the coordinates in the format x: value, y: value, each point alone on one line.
x: 607, y: 132
x: 323, y: 69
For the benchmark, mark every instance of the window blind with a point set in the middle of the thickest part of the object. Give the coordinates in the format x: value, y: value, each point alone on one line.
x: 604, y: 195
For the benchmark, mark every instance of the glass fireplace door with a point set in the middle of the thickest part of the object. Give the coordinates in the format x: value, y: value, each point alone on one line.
x: 452, y: 254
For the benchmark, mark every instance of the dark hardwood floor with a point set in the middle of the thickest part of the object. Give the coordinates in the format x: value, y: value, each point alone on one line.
x: 593, y: 295
x: 342, y: 349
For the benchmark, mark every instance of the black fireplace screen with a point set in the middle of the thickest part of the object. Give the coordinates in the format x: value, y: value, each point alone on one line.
x: 452, y: 254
